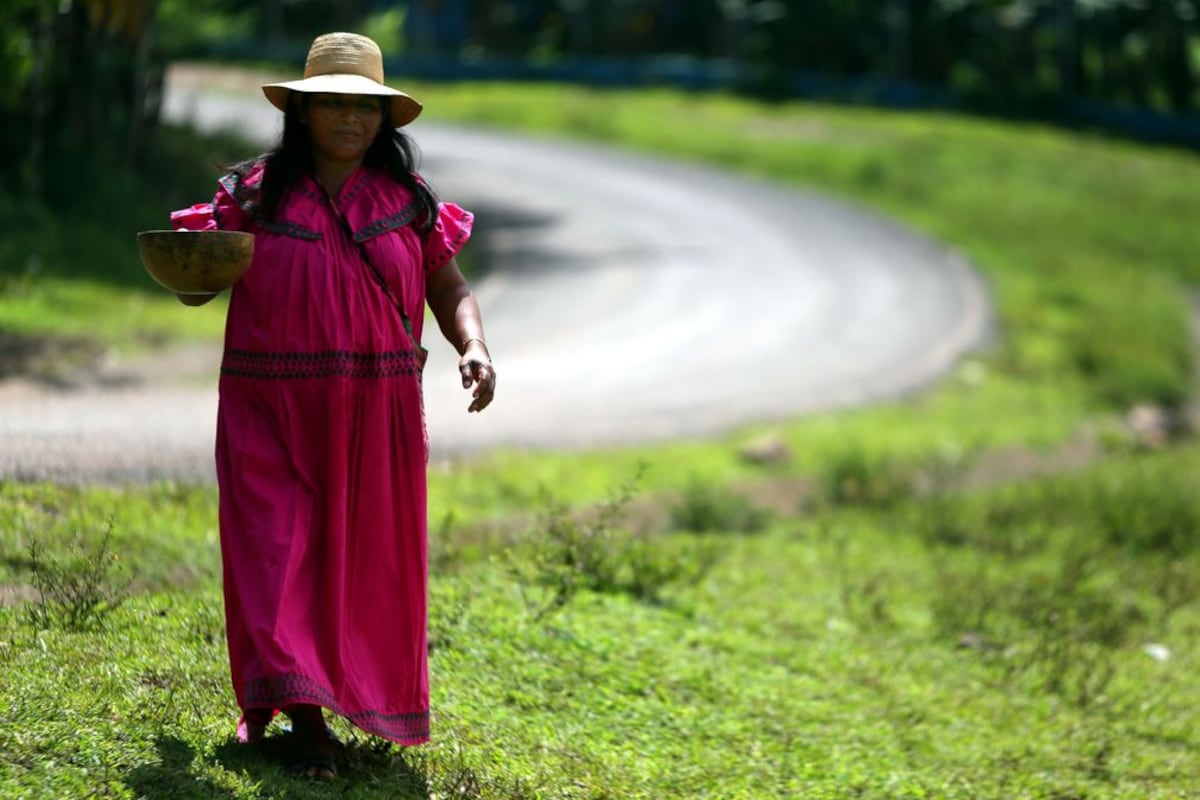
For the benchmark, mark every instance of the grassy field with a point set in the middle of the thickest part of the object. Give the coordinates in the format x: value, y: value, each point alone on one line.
x: 918, y: 603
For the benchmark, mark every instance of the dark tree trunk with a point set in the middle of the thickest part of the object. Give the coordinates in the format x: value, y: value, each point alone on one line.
x: 146, y: 92
x: 900, y: 34
x: 39, y: 100
x: 272, y: 21
x: 1175, y: 65
x: 1068, y: 49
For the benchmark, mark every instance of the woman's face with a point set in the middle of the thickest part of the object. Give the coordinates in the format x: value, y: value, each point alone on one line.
x: 343, y: 126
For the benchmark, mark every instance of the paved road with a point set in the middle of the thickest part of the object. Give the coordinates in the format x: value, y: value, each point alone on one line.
x: 628, y: 299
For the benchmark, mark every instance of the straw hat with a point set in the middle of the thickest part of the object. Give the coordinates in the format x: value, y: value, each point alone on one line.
x: 345, y: 63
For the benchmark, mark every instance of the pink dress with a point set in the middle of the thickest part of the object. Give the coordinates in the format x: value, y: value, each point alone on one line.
x: 321, y: 450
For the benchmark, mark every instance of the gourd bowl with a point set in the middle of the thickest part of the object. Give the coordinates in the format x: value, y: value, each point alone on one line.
x: 195, y: 262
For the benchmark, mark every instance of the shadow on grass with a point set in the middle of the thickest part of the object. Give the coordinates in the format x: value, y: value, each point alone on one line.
x: 173, y: 777
x: 363, y: 767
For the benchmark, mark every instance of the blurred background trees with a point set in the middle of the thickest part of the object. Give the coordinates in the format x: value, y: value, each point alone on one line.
x: 81, y: 79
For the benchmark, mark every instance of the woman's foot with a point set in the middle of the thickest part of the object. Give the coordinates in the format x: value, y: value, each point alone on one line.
x: 252, y: 727
x: 311, y: 749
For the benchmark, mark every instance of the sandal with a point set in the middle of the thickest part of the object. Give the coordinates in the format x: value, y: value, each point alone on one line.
x: 318, y: 766
x: 310, y: 746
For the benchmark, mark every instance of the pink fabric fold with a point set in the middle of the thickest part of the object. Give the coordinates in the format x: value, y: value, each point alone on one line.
x: 198, y: 217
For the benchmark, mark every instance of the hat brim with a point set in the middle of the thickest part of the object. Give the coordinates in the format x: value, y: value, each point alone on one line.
x: 404, y: 107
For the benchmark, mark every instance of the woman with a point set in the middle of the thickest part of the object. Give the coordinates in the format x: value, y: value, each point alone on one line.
x: 321, y: 446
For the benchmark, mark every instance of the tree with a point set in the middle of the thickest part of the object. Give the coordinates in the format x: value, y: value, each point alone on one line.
x: 87, y: 86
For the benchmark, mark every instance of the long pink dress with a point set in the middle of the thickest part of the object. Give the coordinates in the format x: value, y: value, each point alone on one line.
x: 321, y: 450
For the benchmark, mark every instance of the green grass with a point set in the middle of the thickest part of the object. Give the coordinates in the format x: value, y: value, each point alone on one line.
x: 860, y: 620
x: 980, y: 644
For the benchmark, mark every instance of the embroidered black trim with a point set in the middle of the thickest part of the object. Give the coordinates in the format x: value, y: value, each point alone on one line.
x: 359, y: 181
x: 290, y: 229
x: 327, y: 364
x: 389, y: 223
x: 285, y: 690
x: 245, y: 196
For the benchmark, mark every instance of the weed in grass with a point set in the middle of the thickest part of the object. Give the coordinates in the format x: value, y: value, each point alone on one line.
x: 1076, y: 623
x: 1175, y: 583
x: 22, y: 283
x: 1147, y: 510
x: 447, y: 772
x: 965, y: 605
x: 862, y: 591
x: 78, y: 591
x: 449, y: 613
x: 1026, y: 581
x: 1141, y: 354
x: 853, y: 477
x: 570, y: 552
x: 704, y: 508
x: 998, y: 524
x: 9, y: 648
x: 1061, y: 630
x: 444, y: 550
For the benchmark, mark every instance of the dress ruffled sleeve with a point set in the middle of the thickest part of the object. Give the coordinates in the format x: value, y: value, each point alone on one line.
x: 450, y: 232
x: 224, y: 213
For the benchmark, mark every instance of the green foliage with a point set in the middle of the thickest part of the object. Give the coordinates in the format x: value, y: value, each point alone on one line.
x: 854, y: 477
x: 386, y: 27
x: 79, y: 591
x: 572, y: 552
x: 165, y: 535
x: 187, y: 28
x: 1144, y: 506
x: 83, y: 92
x: 1054, y: 578
x: 1145, y: 350
x: 864, y: 591
x: 1061, y: 620
x: 75, y: 275
x: 1147, y: 510
x: 705, y: 508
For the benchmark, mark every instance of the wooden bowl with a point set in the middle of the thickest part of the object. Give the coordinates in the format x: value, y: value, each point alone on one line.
x: 196, y: 262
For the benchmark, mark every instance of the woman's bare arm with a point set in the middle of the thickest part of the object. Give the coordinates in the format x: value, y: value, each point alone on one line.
x: 458, y: 317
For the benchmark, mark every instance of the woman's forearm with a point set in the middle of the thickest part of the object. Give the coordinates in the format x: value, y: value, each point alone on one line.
x: 454, y: 307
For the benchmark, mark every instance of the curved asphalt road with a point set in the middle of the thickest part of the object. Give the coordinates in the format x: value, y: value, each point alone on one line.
x: 628, y: 299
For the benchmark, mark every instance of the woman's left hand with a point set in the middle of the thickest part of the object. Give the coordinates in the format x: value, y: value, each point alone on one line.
x: 476, y: 368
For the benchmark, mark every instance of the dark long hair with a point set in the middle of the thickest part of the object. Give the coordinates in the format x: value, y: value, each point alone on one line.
x: 392, y: 152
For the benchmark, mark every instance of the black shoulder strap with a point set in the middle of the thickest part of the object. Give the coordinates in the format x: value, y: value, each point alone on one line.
x: 422, y: 352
